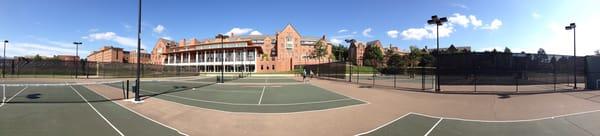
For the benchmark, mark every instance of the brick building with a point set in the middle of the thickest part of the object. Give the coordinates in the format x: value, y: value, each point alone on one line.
x: 110, y: 54
x: 249, y: 53
x: 67, y: 57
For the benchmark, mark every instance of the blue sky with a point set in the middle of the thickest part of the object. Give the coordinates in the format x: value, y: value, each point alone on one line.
x: 48, y: 27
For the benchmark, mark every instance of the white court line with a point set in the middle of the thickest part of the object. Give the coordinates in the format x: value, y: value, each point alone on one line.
x: 139, y: 114
x: 264, y: 113
x: 381, y: 126
x: 247, y: 104
x: 13, y: 96
x: 263, y: 92
x: 473, y: 120
x: 3, y: 94
x: 501, y: 121
x: 434, y: 125
x: 100, y: 114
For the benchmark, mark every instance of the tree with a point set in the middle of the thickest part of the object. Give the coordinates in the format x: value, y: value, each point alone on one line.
x: 395, y: 63
x: 320, y: 50
x: 541, y: 56
x: 37, y: 57
x: 372, y: 55
x: 414, y: 56
x: 340, y: 52
x: 507, y: 50
x: 452, y: 49
x: 597, y: 52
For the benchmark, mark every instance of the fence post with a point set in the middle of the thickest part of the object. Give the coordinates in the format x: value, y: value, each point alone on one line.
x: 423, y: 78
x: 350, y: 79
x: 373, y: 71
x: 358, y: 74
x: 394, y: 79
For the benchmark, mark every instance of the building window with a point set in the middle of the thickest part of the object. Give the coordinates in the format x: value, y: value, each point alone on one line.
x: 273, y: 66
x: 289, y: 42
x: 261, y: 67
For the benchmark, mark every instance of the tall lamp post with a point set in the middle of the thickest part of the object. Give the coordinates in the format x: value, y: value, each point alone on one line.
x: 77, y: 44
x: 4, y: 59
x: 222, y: 37
x: 569, y: 27
x: 437, y: 22
x: 139, y: 42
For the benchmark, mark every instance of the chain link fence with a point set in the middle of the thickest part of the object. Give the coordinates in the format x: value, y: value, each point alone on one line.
x: 85, y: 69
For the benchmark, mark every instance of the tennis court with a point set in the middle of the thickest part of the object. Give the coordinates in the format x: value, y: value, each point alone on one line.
x: 412, y: 124
x: 69, y: 109
x: 248, y: 95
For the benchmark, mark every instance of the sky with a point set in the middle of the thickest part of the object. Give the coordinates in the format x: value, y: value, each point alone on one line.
x: 49, y: 27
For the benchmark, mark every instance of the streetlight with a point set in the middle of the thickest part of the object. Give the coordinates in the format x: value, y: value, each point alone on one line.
x: 4, y: 59
x: 77, y: 57
x: 569, y: 27
x: 139, y: 42
x: 437, y: 22
x: 222, y: 37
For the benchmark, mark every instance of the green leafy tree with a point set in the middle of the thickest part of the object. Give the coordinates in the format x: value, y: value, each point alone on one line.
x: 340, y: 52
x: 320, y: 50
x: 541, y: 56
x: 37, y: 57
x: 372, y: 56
x: 507, y: 50
x: 414, y: 56
x: 396, y: 61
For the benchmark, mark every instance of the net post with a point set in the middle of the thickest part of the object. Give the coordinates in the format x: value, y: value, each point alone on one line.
x: 127, y: 86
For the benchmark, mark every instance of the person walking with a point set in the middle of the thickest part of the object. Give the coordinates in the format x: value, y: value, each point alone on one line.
x: 304, y: 75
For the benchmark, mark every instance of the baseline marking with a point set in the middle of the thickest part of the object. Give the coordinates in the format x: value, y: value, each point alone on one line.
x: 139, y: 114
x: 434, y: 125
x: 13, y: 96
x: 100, y: 114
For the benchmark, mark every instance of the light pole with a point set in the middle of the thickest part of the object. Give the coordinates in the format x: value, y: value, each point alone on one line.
x: 222, y: 37
x: 77, y: 57
x: 569, y: 27
x: 139, y: 42
x: 437, y: 22
x: 4, y: 59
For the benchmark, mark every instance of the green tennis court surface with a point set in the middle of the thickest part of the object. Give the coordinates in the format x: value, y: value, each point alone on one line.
x: 580, y: 124
x: 254, y: 95
x: 69, y: 110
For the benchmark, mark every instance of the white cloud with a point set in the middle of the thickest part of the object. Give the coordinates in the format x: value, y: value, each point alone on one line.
x: 414, y: 33
x: 112, y: 36
x: 428, y: 31
x: 536, y: 15
x: 366, y: 32
x: 459, y: 19
x: 167, y: 37
x: 393, y: 33
x: 159, y: 29
x: 239, y: 31
x: 29, y: 49
x: 354, y: 32
x: 463, y: 6
x: 255, y: 33
x: 343, y: 30
x: 494, y: 25
x: 476, y: 22
x: 335, y: 41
